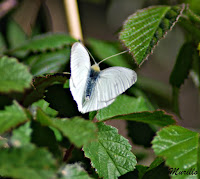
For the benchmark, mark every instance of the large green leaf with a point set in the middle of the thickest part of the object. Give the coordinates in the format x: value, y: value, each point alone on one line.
x: 26, y: 162
x: 123, y: 105
x: 45, y: 42
x: 110, y: 154
x: 40, y: 83
x: 14, y: 76
x: 134, y: 109
x: 11, y: 117
x: 143, y: 30
x: 73, y: 171
x: 182, y: 66
x: 78, y: 130
x: 180, y: 147
x: 50, y: 62
x: 103, y: 49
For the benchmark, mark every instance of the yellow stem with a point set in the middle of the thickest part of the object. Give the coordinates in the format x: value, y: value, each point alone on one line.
x: 73, y: 19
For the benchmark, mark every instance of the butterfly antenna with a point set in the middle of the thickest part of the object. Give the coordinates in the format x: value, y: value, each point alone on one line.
x: 113, y: 56
x: 90, y: 55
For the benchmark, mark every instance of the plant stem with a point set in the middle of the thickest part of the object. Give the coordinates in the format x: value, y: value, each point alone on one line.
x: 73, y: 19
x: 68, y: 153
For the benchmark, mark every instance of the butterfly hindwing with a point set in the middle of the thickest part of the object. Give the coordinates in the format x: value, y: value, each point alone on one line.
x: 113, y: 81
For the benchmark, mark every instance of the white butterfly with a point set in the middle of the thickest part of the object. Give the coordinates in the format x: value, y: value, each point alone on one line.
x: 91, y: 88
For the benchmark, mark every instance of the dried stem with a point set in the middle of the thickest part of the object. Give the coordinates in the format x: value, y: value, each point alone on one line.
x: 73, y: 19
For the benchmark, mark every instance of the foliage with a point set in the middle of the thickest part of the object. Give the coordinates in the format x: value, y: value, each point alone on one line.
x: 42, y: 134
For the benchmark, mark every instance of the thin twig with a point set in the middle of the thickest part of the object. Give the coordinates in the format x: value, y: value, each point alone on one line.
x: 68, y: 153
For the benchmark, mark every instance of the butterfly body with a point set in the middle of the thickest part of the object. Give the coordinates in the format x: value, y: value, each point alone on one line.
x: 91, y: 88
x: 91, y: 81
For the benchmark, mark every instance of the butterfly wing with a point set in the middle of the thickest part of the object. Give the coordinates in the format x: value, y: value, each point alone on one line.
x: 80, y: 67
x: 114, y: 81
x: 110, y: 83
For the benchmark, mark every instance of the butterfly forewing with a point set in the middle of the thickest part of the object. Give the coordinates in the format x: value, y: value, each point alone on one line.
x: 80, y: 67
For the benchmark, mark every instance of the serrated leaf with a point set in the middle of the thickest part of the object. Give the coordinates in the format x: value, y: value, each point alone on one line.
x: 143, y: 30
x: 182, y: 66
x: 45, y: 107
x: 50, y: 62
x: 73, y: 171
x: 122, y: 105
x: 103, y: 49
x: 40, y: 83
x: 22, y: 135
x: 26, y: 162
x: 14, y: 76
x: 46, y: 42
x: 11, y: 117
x: 130, y: 108
x: 78, y: 130
x: 180, y: 148
x: 110, y: 154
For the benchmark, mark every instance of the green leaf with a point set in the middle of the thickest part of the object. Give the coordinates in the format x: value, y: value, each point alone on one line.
x: 182, y: 66
x: 14, y: 75
x: 195, y: 71
x: 144, y: 29
x: 179, y: 146
x: 122, y: 105
x: 45, y: 107
x: 11, y: 117
x: 26, y: 162
x: 2, y: 43
x: 73, y: 171
x: 15, y: 34
x: 78, y: 130
x: 110, y: 154
x: 103, y: 49
x: 44, y: 42
x: 22, y: 135
x: 130, y: 108
x: 40, y: 83
x: 50, y: 62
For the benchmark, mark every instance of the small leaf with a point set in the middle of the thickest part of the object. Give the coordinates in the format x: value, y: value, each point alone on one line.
x: 73, y: 171
x: 103, y: 49
x: 14, y: 75
x: 179, y: 146
x: 123, y: 105
x: 50, y: 62
x: 22, y: 135
x: 26, y: 162
x: 144, y: 29
x: 183, y: 64
x: 110, y: 154
x: 45, y: 107
x: 40, y: 83
x: 2, y: 43
x: 11, y: 117
x: 46, y: 42
x: 78, y: 130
